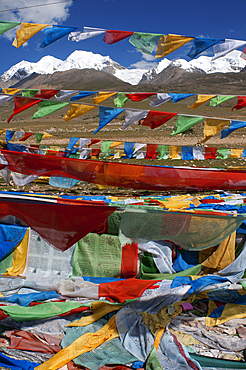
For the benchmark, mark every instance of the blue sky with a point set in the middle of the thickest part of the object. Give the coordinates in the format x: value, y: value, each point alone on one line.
x: 211, y: 18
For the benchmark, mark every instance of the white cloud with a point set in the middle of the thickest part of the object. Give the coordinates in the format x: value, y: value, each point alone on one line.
x: 47, y: 14
x: 147, y: 61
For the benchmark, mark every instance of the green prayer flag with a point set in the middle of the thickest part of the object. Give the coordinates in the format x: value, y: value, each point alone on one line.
x: 120, y: 100
x: 184, y: 123
x: 47, y: 107
x: 105, y: 148
x: 163, y: 151
x: 222, y: 153
x: 29, y: 92
x: 145, y: 42
x: 220, y: 99
x: 40, y: 311
x: 5, y: 26
x: 153, y: 362
x: 38, y: 137
x: 194, y: 270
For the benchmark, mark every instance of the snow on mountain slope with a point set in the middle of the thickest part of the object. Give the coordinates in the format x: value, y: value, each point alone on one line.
x: 81, y: 59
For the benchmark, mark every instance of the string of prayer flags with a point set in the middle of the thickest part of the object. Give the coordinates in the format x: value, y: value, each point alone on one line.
x: 241, y: 103
x: 111, y: 37
x: 144, y: 42
x: 77, y: 110
x: 161, y: 98
x: 214, y: 102
x: 48, y: 107
x: 155, y: 119
x: 132, y: 116
x: 235, y: 125
x: 212, y: 126
x: 5, y: 26
x: 87, y: 33
x: 106, y: 115
x: 200, y: 100
x: 65, y: 94
x: 26, y: 31
x: 81, y: 95
x: 226, y: 47
x: 102, y: 95
x: 169, y: 43
x: 120, y: 100
x: 201, y: 44
x: 54, y: 33
x: 184, y: 123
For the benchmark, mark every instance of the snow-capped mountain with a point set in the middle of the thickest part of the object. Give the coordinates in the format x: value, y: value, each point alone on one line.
x: 80, y: 59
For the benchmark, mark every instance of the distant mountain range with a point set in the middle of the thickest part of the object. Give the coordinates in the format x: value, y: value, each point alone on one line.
x: 86, y: 70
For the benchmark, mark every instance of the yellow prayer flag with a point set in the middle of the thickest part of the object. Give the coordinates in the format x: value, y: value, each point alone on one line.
x: 236, y: 153
x: 115, y: 144
x: 46, y: 135
x: 169, y: 43
x: 212, y: 126
x: 19, y: 257
x: 174, y: 151
x: 10, y: 91
x: 102, y: 95
x: 26, y: 31
x: 77, y: 110
x: 200, y: 100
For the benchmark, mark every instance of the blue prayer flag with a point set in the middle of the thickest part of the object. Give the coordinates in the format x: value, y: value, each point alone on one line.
x: 201, y: 44
x: 128, y: 149
x: 234, y: 126
x: 106, y: 115
x: 81, y: 95
x: 177, y: 97
x: 54, y: 33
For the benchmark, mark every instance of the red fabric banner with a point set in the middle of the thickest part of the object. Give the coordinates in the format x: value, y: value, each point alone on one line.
x: 61, y: 223
x: 151, y: 152
x: 139, y: 96
x: 155, y: 119
x: 26, y: 136
x: 120, y: 291
x: 241, y: 103
x: 111, y: 37
x: 129, y: 261
x: 210, y: 153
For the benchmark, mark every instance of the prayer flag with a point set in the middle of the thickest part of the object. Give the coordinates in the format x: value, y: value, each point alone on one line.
x: 177, y: 97
x: 201, y: 44
x: 155, y: 119
x: 151, y: 152
x: 87, y: 33
x: 174, y: 151
x: 21, y: 104
x: 161, y: 98
x: 212, y: 126
x: 105, y: 146
x: 222, y: 153
x: 81, y: 95
x: 114, y: 144
x: 5, y: 26
x: 47, y: 107
x: 210, y: 153
x: 132, y: 116
x: 83, y: 142
x: 38, y: 137
x: 145, y: 42
x: 26, y: 136
x: 94, y: 141
x: 128, y: 149
x: 26, y: 31
x: 65, y: 94
x: 77, y: 110
x: 226, y: 47
x: 220, y: 99
x: 198, y: 152
x: 4, y: 98
x: 235, y: 125
x: 46, y: 93
x: 241, y: 103
x: 169, y: 43
x: 72, y: 142
x: 11, y: 91
x: 9, y: 135
x: 200, y: 100
x: 29, y: 93
x: 54, y: 33
x: 236, y: 153
x: 111, y: 37
x: 139, y: 96
x: 187, y: 153
x: 101, y: 96
x: 46, y: 135
x: 106, y: 115
x: 163, y: 151
x: 243, y: 55
x: 120, y: 100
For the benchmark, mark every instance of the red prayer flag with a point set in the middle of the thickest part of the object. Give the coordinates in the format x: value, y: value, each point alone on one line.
x: 155, y: 119
x: 151, y: 152
x: 110, y: 37
x: 94, y: 141
x: 26, y: 136
x: 210, y: 153
x: 139, y: 96
x: 46, y: 93
x: 21, y: 104
x: 241, y: 103
x: 129, y: 261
